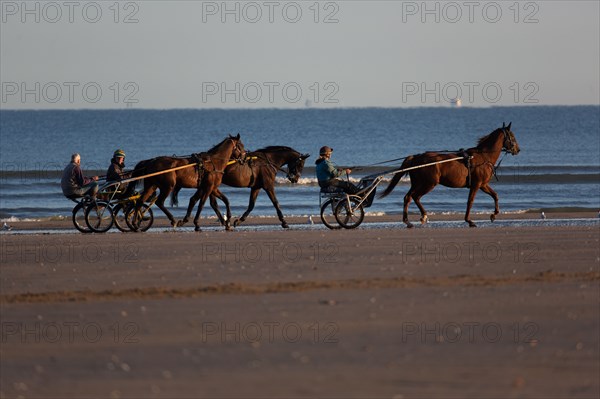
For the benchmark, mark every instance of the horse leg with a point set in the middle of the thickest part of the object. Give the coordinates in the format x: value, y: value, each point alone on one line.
x: 253, y: 194
x: 188, y: 213
x: 215, y: 206
x: 417, y: 198
x: 201, y: 202
x: 218, y: 194
x: 160, y: 202
x: 472, y: 192
x: 273, y: 198
x: 488, y: 190
x: 407, y: 198
x: 174, y: 196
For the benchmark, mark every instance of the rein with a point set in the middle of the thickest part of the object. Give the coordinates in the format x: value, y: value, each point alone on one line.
x: 388, y: 161
x: 459, y: 151
x: 274, y: 166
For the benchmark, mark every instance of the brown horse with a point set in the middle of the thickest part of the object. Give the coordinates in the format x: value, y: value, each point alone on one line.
x: 204, y: 173
x: 257, y: 172
x: 474, y: 172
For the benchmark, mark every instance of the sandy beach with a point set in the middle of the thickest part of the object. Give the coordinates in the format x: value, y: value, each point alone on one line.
x: 369, y: 313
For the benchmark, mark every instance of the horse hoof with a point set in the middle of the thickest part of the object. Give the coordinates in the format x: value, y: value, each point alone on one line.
x: 424, y: 219
x: 409, y: 225
x: 492, y: 218
x: 285, y: 225
x: 179, y: 223
x: 236, y: 222
x: 471, y: 224
x: 197, y: 228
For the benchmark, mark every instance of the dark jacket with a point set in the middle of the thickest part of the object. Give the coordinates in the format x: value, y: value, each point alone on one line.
x: 115, y: 172
x: 73, y: 178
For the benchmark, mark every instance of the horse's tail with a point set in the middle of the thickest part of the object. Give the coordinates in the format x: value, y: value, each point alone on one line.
x: 136, y: 172
x: 174, y: 199
x: 396, y: 178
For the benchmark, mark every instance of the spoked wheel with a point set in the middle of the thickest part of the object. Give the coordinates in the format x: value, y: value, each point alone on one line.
x: 119, y: 213
x: 99, y: 216
x: 349, y: 213
x: 139, y: 220
x: 328, y: 216
x: 79, y: 218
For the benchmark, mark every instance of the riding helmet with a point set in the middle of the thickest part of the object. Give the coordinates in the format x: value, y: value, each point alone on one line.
x: 325, y: 150
x: 119, y: 154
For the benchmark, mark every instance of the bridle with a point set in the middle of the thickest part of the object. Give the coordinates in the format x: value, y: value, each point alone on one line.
x: 509, y: 138
x: 237, y: 147
x: 289, y: 174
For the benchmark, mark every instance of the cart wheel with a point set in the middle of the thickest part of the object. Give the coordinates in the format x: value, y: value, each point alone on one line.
x: 99, y: 216
x: 143, y: 219
x: 349, y: 213
x: 119, y: 212
x: 327, y: 215
x: 79, y: 218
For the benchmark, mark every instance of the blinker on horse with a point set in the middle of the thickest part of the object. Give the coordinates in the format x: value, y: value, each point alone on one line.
x: 474, y: 173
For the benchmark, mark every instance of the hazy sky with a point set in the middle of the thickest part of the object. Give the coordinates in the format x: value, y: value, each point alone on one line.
x: 199, y: 54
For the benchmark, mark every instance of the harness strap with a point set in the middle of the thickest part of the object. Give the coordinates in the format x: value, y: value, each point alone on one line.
x: 469, y: 170
x: 495, y: 168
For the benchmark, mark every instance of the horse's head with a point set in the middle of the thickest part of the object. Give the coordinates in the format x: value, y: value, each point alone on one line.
x: 510, y: 142
x: 295, y: 168
x: 238, y: 147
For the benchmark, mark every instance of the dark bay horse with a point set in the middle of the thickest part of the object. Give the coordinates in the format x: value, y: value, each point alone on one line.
x: 204, y: 173
x: 258, y: 172
x: 474, y: 173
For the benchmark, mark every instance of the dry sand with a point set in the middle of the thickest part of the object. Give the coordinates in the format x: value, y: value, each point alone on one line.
x: 369, y: 313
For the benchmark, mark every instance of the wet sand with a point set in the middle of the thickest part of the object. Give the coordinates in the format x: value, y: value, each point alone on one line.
x: 369, y: 313
x: 211, y: 221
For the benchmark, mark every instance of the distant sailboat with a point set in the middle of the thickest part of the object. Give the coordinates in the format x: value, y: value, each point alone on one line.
x: 456, y: 102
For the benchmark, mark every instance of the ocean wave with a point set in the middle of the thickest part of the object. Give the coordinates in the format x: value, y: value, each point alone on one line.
x: 506, y: 177
x: 514, y: 174
x: 13, y: 219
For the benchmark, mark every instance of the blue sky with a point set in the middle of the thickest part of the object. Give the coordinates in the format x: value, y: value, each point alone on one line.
x: 198, y: 54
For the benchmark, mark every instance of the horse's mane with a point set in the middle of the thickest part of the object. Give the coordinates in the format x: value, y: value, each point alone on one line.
x: 276, y: 148
x: 216, y: 147
x: 488, y: 139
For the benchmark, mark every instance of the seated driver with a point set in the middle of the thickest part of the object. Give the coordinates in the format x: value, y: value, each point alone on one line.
x: 74, y: 183
x: 328, y: 172
x: 116, y: 173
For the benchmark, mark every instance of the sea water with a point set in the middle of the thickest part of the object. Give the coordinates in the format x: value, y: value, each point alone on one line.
x: 558, y: 167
